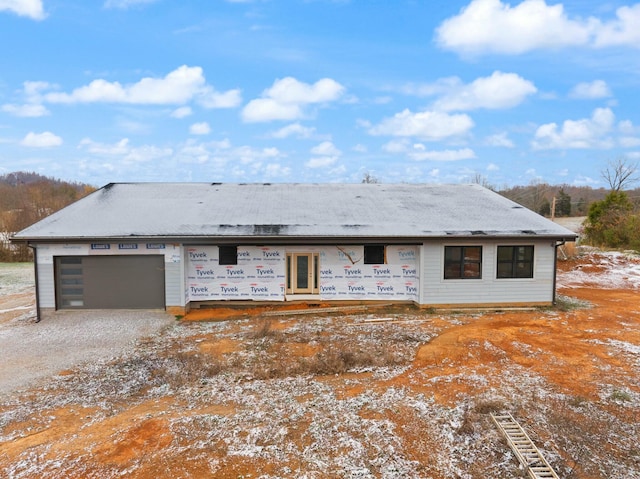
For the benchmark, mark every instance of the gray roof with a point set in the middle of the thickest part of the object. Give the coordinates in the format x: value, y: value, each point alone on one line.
x: 193, y: 211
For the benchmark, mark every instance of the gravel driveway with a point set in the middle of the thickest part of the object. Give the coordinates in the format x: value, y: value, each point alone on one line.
x: 31, y: 351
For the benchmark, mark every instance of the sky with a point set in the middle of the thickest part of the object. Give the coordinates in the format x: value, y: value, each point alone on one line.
x: 328, y: 91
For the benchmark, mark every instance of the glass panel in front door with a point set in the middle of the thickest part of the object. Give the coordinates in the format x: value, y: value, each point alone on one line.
x: 302, y: 271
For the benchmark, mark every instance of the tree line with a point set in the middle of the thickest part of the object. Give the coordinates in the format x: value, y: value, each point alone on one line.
x: 613, y: 214
x: 26, y: 198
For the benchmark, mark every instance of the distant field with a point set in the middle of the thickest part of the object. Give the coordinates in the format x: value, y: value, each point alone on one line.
x: 573, y: 223
x: 15, y: 277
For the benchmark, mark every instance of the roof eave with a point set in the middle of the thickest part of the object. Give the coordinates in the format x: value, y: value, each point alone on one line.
x: 288, y: 239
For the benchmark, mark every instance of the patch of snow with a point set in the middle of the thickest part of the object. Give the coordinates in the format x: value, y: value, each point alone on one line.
x: 63, y: 341
x: 615, y: 270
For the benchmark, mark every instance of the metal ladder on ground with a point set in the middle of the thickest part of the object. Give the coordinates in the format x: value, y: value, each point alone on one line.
x: 523, y: 447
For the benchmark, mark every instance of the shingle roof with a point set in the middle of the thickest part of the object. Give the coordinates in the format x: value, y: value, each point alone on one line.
x: 205, y: 210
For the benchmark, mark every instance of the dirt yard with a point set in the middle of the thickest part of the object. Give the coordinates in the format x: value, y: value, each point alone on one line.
x: 390, y: 392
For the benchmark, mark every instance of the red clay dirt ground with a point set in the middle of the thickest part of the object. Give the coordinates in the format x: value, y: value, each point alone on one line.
x: 389, y: 392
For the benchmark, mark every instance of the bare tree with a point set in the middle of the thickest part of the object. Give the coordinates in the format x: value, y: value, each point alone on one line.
x: 480, y: 179
x: 619, y: 174
x: 369, y: 178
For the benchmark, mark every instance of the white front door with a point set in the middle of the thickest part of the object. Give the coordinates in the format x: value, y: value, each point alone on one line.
x: 302, y: 273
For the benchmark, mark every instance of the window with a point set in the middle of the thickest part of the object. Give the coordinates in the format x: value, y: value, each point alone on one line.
x: 70, y: 282
x: 515, y: 262
x: 462, y: 262
x: 374, y: 254
x: 227, y: 255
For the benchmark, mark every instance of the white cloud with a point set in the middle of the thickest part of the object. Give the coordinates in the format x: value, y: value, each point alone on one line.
x: 41, y: 140
x: 321, y: 162
x: 28, y: 110
x: 178, y: 87
x: 493, y: 167
x: 268, y: 109
x: 248, y: 154
x: 287, y: 97
x: 124, y: 151
x: 629, y: 141
x: 427, y: 125
x: 499, y: 139
x: 630, y: 134
x: 326, y: 148
x: 491, y: 26
x: 225, y: 160
x: 294, y: 129
x: 33, y: 89
x: 276, y: 170
x: 498, y: 91
x: 220, y: 144
x: 625, y: 30
x: 119, y: 148
x: 396, y: 146
x: 574, y: 134
x: 182, y: 112
x: 581, y: 180
x: 290, y: 90
x: 146, y: 153
x: 125, y: 4
x: 221, y: 153
x: 209, y: 98
x: 626, y: 127
x: 327, y: 155
x: 32, y: 106
x: 591, y: 90
x: 421, y: 154
x: 25, y: 8
x: 198, y: 153
x: 439, y: 87
x: 201, y: 128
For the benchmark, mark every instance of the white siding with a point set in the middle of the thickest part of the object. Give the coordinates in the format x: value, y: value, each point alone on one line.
x: 47, y: 291
x: 174, y: 286
x: 435, y: 290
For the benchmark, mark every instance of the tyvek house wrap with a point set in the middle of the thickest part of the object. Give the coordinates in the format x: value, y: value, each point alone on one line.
x: 260, y: 276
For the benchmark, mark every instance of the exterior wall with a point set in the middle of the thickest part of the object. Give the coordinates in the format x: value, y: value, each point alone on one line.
x: 436, y: 291
x: 261, y: 274
x: 174, y: 296
x: 411, y: 273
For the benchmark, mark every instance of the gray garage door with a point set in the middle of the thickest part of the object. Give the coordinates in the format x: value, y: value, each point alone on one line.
x: 110, y: 282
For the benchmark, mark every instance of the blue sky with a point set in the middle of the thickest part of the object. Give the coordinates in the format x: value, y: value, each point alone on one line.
x: 435, y: 91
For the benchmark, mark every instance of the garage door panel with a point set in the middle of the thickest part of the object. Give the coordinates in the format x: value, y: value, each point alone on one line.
x: 118, y: 282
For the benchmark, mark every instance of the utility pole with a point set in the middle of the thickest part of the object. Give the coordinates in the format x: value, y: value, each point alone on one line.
x: 553, y: 209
